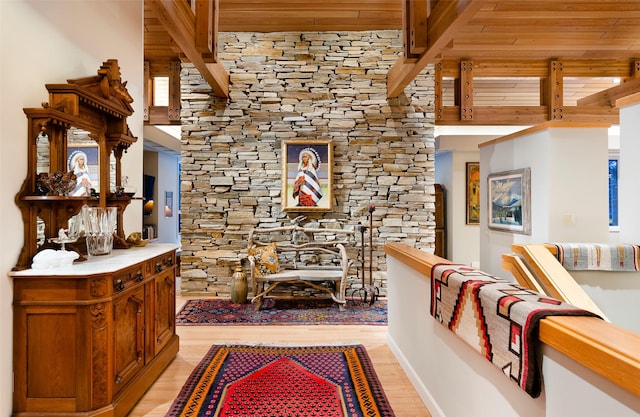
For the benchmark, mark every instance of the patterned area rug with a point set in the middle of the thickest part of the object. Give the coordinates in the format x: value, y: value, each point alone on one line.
x: 220, y: 312
x: 496, y: 318
x: 272, y: 381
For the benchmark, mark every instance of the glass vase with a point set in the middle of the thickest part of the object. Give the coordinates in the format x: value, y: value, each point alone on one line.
x: 100, y: 225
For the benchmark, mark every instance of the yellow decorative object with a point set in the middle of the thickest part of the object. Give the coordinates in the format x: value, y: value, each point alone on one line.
x: 135, y: 239
x: 266, y: 259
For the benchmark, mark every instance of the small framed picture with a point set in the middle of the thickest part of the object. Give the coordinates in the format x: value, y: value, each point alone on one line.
x: 168, y: 204
x: 509, y: 205
x: 473, y: 192
x: 307, y: 175
x: 84, y: 162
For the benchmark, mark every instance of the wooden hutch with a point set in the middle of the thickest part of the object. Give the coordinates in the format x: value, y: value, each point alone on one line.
x: 89, y: 338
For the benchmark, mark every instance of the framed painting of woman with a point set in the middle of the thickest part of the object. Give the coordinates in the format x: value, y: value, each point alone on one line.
x: 307, y: 175
x: 83, y: 162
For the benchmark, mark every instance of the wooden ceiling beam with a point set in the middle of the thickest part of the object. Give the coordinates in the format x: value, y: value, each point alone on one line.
x: 585, y: 68
x: 525, y: 115
x: 179, y: 21
x: 443, y: 23
x: 414, y: 15
x: 609, y: 96
x: 206, y: 21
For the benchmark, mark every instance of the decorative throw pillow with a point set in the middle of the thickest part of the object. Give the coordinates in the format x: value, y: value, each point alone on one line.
x: 266, y: 259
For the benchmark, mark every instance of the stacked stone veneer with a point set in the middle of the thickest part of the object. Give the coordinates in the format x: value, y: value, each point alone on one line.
x: 303, y: 86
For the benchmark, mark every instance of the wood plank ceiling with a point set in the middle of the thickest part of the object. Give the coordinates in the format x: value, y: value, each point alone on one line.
x: 497, y: 62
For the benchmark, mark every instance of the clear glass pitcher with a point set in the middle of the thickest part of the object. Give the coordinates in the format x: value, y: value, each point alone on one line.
x: 100, y: 225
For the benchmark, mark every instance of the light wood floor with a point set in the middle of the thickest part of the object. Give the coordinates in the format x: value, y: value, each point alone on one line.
x: 195, y: 341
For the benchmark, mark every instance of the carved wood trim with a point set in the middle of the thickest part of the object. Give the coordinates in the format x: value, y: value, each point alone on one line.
x: 101, y: 393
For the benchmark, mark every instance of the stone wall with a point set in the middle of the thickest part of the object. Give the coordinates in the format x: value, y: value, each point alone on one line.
x: 302, y: 86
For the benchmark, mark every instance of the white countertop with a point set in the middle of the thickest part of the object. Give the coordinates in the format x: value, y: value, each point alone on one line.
x: 116, y: 260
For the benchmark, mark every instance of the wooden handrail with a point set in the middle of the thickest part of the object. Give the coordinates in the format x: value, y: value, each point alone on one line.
x: 607, y: 349
x: 516, y: 265
x: 556, y: 281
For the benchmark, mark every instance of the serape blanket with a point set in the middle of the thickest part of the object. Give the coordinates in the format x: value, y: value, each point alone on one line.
x: 598, y: 257
x: 497, y: 318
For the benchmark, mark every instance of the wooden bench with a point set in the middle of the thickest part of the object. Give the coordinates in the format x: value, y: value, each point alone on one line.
x: 298, y: 256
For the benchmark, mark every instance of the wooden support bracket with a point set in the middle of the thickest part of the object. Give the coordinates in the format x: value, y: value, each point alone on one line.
x: 466, y: 90
x: 556, y: 87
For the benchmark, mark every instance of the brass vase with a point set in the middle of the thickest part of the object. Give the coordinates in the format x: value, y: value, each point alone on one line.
x: 239, y: 287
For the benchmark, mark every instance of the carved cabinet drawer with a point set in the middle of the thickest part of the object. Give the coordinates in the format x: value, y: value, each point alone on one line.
x: 160, y: 263
x: 127, y: 279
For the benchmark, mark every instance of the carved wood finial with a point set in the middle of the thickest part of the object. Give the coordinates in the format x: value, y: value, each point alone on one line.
x: 111, y: 83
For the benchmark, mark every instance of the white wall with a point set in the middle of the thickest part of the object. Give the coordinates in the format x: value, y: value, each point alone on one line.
x: 162, y: 160
x: 49, y: 42
x: 168, y: 182
x: 569, y: 187
x: 444, y: 177
x: 453, y: 153
x: 615, y: 293
x: 164, y: 167
x: 150, y: 167
x: 629, y: 172
x: 463, y: 240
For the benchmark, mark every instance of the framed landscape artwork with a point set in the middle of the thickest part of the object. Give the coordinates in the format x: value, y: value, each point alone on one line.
x: 473, y: 192
x: 307, y: 175
x: 509, y: 205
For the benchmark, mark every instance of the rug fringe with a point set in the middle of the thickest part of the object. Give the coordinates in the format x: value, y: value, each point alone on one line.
x: 284, y: 344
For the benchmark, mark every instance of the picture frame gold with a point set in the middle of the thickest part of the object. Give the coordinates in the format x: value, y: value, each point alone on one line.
x: 307, y: 188
x: 473, y: 193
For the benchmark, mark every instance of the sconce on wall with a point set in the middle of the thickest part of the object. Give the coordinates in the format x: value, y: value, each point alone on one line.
x: 148, y: 208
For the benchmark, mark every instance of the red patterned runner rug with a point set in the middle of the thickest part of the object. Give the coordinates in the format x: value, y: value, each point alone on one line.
x: 282, y: 381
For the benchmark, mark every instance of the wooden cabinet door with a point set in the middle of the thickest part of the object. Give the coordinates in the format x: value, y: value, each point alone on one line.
x: 128, y: 332
x: 46, y: 352
x: 164, y: 307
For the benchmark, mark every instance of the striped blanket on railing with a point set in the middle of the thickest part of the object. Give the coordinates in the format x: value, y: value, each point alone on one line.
x: 497, y: 318
x: 598, y: 257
